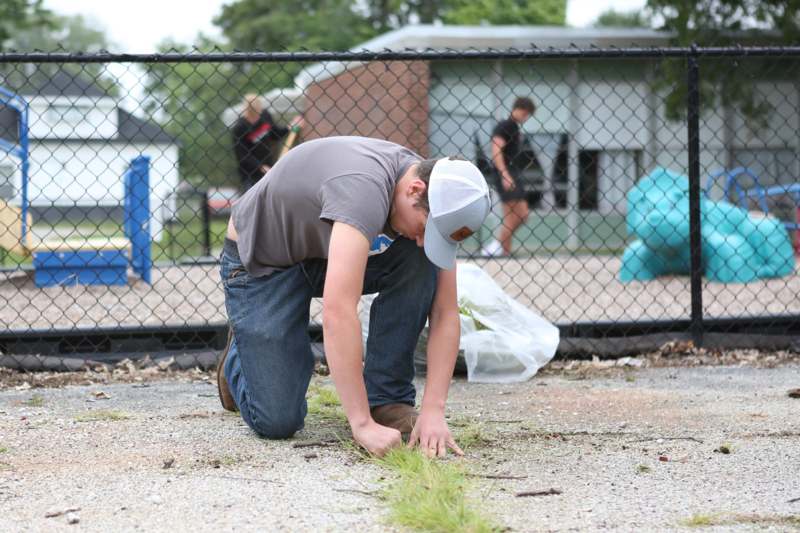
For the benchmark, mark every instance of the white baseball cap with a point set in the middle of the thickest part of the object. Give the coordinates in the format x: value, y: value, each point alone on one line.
x: 459, y: 202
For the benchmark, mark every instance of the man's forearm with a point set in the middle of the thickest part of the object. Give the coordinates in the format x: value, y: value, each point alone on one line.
x: 343, y: 351
x: 442, y: 353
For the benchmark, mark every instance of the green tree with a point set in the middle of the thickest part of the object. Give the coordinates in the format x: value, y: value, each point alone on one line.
x: 276, y: 25
x: 19, y: 15
x: 724, y: 23
x: 56, y: 33
x: 190, y: 99
x: 545, y: 12
x: 62, y: 33
x: 623, y: 19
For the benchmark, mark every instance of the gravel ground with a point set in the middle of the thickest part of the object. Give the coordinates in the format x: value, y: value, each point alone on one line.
x: 563, y: 289
x: 628, y: 449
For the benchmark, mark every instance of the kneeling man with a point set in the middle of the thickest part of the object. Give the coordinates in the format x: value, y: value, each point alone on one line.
x: 340, y: 217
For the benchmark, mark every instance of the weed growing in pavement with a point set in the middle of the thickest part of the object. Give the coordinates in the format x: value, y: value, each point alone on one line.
x: 702, y: 520
x: 37, y: 400
x: 96, y: 416
x: 323, y: 402
x: 3, y: 449
x: 643, y: 469
x: 471, y: 436
x: 430, y: 494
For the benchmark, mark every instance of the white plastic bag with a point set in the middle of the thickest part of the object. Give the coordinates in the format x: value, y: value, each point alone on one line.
x: 502, y: 341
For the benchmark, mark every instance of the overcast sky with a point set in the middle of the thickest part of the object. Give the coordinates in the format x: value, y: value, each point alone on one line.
x: 138, y: 27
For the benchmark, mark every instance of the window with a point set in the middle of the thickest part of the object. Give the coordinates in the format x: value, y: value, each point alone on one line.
x: 69, y: 114
x: 6, y: 181
x: 617, y: 172
x: 604, y: 179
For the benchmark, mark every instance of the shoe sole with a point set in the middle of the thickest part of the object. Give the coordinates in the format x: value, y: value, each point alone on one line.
x: 220, y: 377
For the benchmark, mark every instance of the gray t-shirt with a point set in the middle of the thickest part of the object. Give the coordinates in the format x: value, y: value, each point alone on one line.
x: 288, y: 215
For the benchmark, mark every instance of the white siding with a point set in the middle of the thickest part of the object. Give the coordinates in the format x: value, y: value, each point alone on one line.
x: 91, y: 174
x: 62, y: 117
x: 612, y: 115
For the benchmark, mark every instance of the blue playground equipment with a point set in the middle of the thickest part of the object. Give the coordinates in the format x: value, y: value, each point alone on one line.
x: 758, y: 193
x: 77, y: 260
x: 737, y: 246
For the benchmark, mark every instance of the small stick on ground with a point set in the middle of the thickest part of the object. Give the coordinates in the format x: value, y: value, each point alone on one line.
x: 794, y: 500
x: 548, y: 492
x: 497, y: 476
x: 53, y: 514
x: 693, y: 439
x: 371, y: 494
x: 313, y: 444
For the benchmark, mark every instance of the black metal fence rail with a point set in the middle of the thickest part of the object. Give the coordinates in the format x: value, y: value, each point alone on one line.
x: 569, y: 254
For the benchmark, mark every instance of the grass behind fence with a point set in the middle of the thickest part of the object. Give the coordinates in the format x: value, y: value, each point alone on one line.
x: 181, y: 239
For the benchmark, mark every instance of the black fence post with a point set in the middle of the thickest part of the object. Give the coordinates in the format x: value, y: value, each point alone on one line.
x: 693, y: 129
x: 206, y: 225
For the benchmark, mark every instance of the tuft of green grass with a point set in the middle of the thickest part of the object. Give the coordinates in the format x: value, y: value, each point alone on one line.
x: 37, y: 400
x: 323, y: 402
x: 643, y: 469
x: 430, y: 495
x: 96, y: 416
x: 471, y: 435
x: 3, y: 449
x: 724, y: 449
x: 701, y: 520
x: 704, y: 520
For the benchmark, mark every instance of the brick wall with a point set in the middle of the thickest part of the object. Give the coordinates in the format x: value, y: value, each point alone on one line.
x: 386, y: 100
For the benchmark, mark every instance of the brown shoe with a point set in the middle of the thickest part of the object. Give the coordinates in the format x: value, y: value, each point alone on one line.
x: 225, y: 396
x: 399, y: 416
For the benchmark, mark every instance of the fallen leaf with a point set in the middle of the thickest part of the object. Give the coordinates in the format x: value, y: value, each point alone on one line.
x: 794, y: 393
x: 101, y: 395
x: 663, y: 458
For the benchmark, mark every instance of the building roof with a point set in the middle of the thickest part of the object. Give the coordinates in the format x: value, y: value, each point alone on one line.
x: 442, y: 37
x: 65, y: 83
x: 133, y: 129
x: 61, y: 83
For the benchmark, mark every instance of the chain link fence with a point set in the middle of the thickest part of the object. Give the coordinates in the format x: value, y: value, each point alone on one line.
x: 662, y: 185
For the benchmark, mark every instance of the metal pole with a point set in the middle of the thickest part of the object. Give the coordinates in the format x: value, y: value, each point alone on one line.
x: 693, y: 128
x: 206, y: 226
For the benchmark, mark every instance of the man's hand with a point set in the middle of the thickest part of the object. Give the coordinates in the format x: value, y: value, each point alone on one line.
x: 265, y: 168
x: 433, y: 435
x: 377, y: 439
x: 508, y: 183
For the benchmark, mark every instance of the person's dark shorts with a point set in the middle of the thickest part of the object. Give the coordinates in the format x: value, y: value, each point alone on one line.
x: 514, y: 195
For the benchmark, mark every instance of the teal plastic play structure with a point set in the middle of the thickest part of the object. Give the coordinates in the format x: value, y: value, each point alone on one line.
x: 737, y: 246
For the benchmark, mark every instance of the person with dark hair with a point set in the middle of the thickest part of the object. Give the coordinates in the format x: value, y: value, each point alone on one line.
x: 256, y: 140
x: 339, y: 217
x: 510, y: 158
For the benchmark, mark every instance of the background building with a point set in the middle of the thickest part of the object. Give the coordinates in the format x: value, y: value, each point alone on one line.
x: 81, y: 142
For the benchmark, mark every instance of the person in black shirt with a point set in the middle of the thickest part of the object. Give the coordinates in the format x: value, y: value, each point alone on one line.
x: 510, y: 158
x: 256, y: 140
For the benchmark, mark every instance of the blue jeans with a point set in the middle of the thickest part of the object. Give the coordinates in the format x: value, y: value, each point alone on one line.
x: 270, y: 362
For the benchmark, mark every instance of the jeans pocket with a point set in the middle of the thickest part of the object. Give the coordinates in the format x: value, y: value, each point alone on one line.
x: 235, y: 277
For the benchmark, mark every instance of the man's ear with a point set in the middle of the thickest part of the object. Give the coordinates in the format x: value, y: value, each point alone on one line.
x: 416, y: 188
